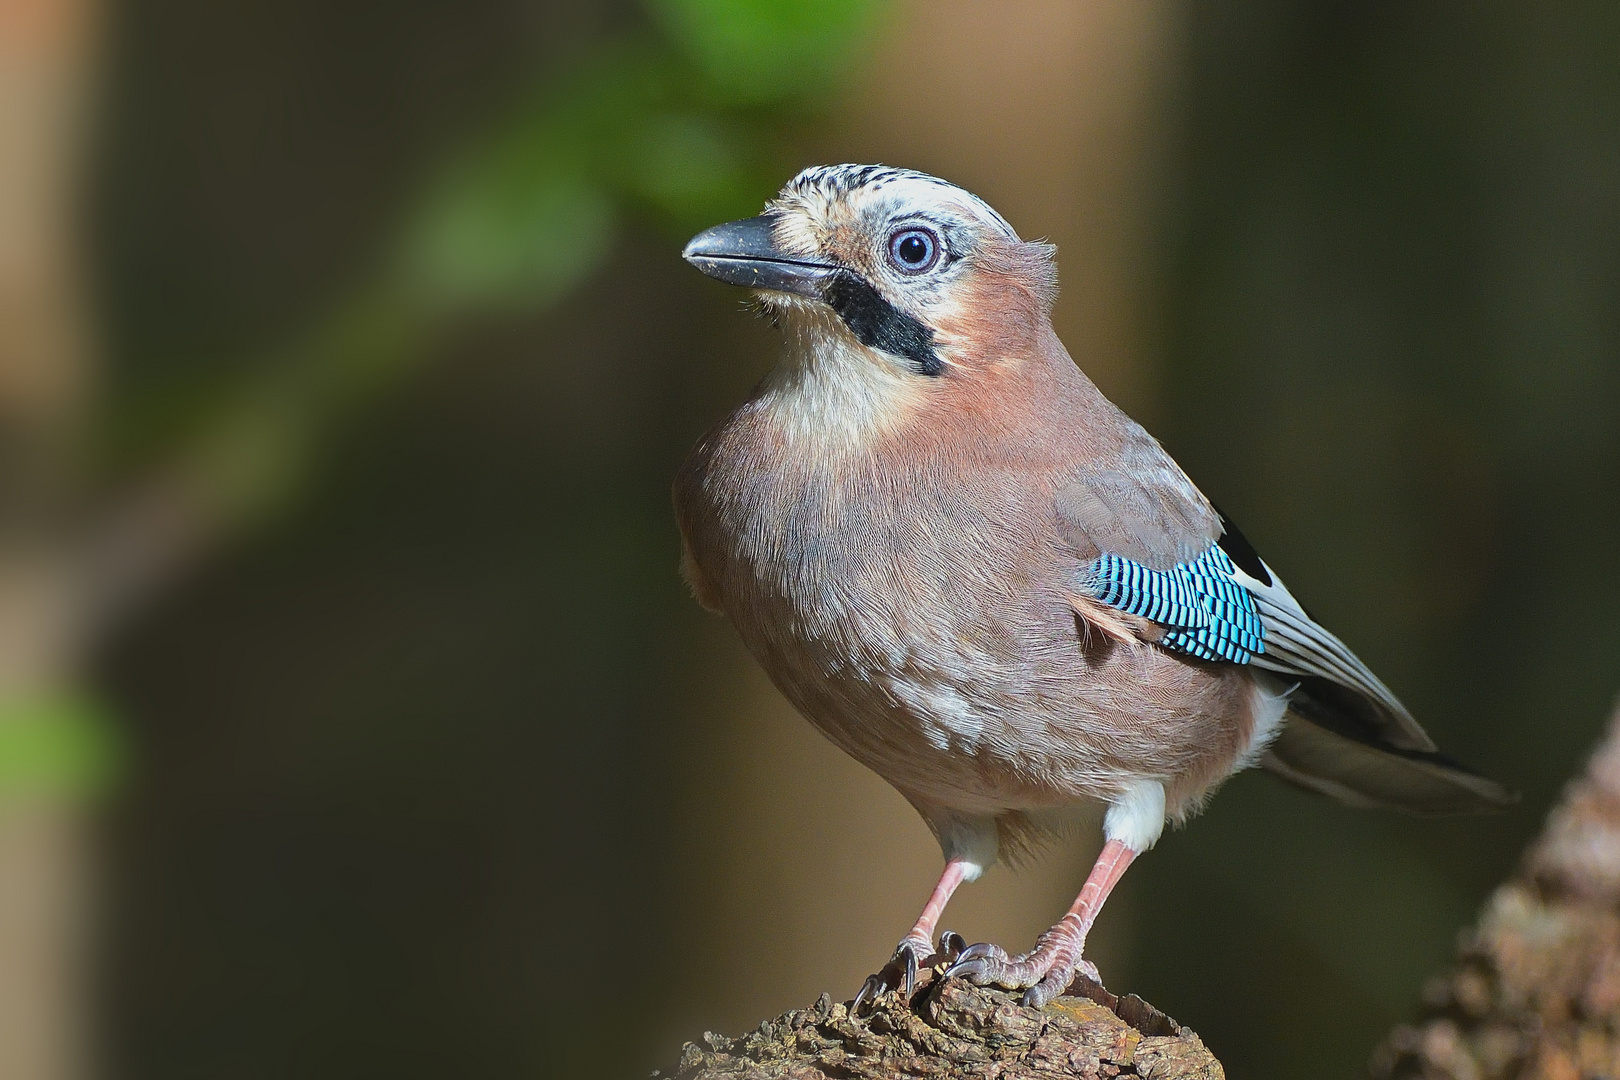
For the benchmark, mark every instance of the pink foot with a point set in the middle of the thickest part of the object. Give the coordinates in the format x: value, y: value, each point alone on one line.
x: 1046, y: 970
x: 900, y: 973
x: 1042, y: 973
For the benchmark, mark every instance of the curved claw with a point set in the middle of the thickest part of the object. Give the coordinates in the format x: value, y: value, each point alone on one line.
x: 1052, y: 984
x: 870, y: 990
x: 951, y: 946
x: 900, y: 973
x: 984, y: 950
x: 981, y: 970
x: 1043, y: 973
x: 981, y: 963
x: 1057, y: 981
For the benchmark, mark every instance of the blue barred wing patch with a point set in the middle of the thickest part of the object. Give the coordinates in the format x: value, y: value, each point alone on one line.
x: 1206, y: 613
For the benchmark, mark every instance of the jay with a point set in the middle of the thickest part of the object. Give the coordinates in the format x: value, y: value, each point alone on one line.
x: 982, y: 580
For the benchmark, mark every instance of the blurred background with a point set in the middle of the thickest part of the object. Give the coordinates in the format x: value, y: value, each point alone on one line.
x: 353, y: 719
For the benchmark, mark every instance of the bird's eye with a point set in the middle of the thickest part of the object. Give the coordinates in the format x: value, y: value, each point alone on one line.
x: 913, y: 251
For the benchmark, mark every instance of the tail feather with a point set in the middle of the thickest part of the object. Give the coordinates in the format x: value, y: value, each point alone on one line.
x: 1362, y: 771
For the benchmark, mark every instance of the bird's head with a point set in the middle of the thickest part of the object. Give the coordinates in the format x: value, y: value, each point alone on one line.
x: 924, y: 275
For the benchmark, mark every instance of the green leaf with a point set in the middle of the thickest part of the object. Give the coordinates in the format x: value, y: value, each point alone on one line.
x: 61, y: 742
x: 761, y: 51
x: 494, y: 241
x: 694, y: 169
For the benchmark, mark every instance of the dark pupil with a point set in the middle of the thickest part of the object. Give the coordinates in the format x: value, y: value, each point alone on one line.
x: 912, y: 249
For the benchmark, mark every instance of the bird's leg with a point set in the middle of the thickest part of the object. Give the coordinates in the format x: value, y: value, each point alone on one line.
x: 917, y: 948
x: 1044, y: 972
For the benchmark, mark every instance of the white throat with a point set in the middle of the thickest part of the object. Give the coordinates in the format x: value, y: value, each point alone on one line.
x: 831, y: 392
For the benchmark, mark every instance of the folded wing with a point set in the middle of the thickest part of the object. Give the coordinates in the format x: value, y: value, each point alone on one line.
x: 1154, y: 547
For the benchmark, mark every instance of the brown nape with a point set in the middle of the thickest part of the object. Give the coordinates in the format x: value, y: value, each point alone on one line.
x: 1006, y: 307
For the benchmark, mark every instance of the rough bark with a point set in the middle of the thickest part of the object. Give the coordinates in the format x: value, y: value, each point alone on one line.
x: 1535, y: 991
x: 952, y: 1028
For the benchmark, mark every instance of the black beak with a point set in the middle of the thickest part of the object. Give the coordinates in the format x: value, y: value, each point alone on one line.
x: 743, y: 253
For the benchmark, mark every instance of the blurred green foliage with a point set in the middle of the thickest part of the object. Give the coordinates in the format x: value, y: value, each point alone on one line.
x: 763, y: 51
x: 677, y: 121
x: 58, y: 742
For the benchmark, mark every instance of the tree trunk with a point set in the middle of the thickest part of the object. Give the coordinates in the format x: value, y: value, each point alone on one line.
x: 45, y: 58
x: 1535, y: 992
